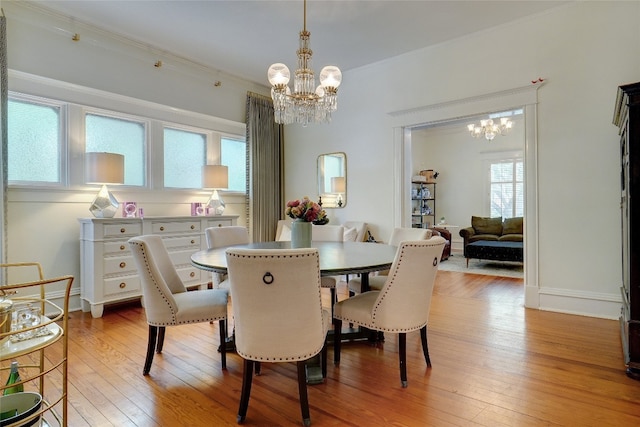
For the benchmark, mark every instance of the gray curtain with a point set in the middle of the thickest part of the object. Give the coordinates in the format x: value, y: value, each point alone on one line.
x: 265, y: 151
x: 4, y: 91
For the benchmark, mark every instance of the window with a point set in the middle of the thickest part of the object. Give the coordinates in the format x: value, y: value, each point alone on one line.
x: 184, y: 155
x: 35, y: 141
x: 185, y: 152
x: 48, y: 139
x: 122, y: 136
x: 507, y: 188
x: 233, y: 153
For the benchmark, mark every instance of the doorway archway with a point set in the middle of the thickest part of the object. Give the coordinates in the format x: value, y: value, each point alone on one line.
x: 524, y: 97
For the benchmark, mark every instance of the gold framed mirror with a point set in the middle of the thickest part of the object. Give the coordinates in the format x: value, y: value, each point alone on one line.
x: 332, y: 180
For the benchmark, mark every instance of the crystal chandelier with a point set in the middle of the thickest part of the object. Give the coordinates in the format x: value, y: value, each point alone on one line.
x: 489, y: 129
x: 306, y: 103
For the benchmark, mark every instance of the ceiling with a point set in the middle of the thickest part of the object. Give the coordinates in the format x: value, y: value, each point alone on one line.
x: 243, y: 38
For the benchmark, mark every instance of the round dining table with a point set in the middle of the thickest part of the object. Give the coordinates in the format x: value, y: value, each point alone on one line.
x: 336, y: 258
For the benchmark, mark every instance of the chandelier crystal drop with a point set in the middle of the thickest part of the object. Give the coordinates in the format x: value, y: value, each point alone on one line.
x: 306, y: 103
x: 489, y: 129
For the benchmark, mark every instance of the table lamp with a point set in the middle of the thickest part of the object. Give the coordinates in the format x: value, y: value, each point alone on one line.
x: 338, y: 185
x: 217, y: 178
x: 104, y: 168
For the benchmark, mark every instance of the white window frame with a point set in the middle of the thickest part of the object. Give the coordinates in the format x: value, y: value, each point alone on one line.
x: 63, y: 138
x: 500, y: 157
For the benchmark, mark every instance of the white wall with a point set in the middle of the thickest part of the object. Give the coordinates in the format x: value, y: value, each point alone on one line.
x: 585, y: 51
x: 42, y: 225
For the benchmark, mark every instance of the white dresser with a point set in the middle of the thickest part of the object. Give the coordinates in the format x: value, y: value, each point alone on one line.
x: 107, y: 271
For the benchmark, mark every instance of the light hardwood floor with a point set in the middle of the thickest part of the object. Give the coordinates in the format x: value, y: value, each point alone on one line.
x: 495, y: 363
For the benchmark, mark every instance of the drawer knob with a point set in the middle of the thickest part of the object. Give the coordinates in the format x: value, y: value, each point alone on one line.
x: 123, y: 230
x: 193, y: 241
x: 192, y: 274
x: 123, y: 285
x: 161, y: 228
x: 193, y: 227
x: 123, y: 264
x: 122, y: 247
x: 219, y: 225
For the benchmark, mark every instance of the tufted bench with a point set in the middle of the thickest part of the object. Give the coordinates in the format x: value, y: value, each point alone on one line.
x: 495, y: 251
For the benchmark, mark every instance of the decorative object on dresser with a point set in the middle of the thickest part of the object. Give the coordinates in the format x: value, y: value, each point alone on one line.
x: 627, y: 118
x: 107, y: 270
x: 104, y: 168
x: 215, y: 177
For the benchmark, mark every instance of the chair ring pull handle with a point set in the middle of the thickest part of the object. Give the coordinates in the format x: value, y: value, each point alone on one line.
x: 435, y: 261
x: 267, y: 278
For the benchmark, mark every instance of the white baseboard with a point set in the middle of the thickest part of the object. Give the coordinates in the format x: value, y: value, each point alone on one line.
x: 592, y: 304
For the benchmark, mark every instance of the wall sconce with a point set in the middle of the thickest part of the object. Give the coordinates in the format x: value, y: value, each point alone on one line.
x: 104, y: 168
x: 338, y: 185
x: 217, y: 178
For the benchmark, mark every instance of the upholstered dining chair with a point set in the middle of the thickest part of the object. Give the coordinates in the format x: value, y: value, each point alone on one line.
x: 219, y: 237
x: 328, y: 233
x: 278, y: 313
x: 403, y: 303
x: 399, y: 235
x: 167, y: 301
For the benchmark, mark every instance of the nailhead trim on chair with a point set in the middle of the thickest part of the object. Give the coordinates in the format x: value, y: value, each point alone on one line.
x: 173, y: 314
x: 291, y: 358
x: 397, y: 330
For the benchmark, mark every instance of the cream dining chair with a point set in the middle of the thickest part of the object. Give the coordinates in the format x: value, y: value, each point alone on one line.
x: 277, y: 307
x: 222, y: 237
x: 399, y: 235
x: 328, y: 233
x: 167, y: 301
x: 403, y: 303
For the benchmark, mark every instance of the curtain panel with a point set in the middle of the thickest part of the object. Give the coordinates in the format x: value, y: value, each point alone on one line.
x: 265, y: 168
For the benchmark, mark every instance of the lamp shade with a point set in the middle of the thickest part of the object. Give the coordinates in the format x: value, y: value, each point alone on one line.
x: 215, y: 176
x: 338, y: 184
x: 104, y: 168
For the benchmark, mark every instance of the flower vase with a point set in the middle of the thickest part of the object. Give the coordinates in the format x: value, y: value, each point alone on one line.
x: 300, y: 234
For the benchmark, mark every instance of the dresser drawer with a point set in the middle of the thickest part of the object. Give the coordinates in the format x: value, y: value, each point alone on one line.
x: 181, y: 257
x: 189, y: 275
x: 175, y: 227
x: 119, y: 265
x: 128, y: 229
x: 192, y: 242
x: 118, y: 286
x: 220, y: 222
x: 114, y: 248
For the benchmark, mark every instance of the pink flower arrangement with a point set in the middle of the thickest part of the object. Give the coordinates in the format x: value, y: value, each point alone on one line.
x: 306, y: 210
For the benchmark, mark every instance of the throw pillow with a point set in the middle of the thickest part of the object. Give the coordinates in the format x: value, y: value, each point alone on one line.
x: 483, y: 225
x: 512, y: 226
x: 350, y: 234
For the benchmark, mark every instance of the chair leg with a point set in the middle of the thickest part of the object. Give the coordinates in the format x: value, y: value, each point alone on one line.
x: 337, y: 338
x: 402, y: 353
x: 323, y: 360
x: 222, y: 326
x: 160, y: 343
x: 333, y: 299
x: 258, y: 368
x: 425, y: 347
x: 151, y: 346
x: 247, y: 376
x: 302, y: 388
